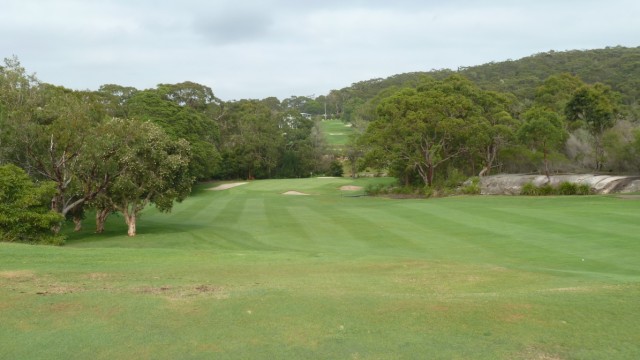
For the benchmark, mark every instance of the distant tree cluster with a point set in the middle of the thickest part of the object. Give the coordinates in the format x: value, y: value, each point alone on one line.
x: 530, y: 115
x: 425, y: 133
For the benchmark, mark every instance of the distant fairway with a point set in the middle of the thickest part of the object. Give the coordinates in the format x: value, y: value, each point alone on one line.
x: 248, y: 273
x: 336, y: 132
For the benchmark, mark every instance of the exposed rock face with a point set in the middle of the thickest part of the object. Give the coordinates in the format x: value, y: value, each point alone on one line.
x: 600, y: 184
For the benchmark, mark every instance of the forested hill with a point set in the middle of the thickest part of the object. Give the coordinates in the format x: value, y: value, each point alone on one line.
x: 618, y: 67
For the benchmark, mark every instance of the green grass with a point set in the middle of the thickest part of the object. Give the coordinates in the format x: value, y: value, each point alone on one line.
x: 336, y: 132
x: 250, y: 273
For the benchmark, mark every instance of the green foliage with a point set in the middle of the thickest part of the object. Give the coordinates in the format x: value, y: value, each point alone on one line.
x: 25, y: 213
x: 421, y: 130
x: 473, y: 186
x: 584, y: 189
x: 335, y: 168
x: 374, y: 189
x: 542, y: 130
x: 529, y: 189
x: 547, y: 190
x: 614, y: 66
x: 596, y: 108
x: 564, y: 188
x: 567, y: 188
x: 181, y: 110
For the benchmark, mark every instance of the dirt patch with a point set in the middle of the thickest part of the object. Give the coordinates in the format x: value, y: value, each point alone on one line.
x: 97, y: 276
x: 17, y: 274
x: 58, y: 289
x: 297, y: 193
x: 184, y: 292
x: 350, y: 188
x: 227, y: 186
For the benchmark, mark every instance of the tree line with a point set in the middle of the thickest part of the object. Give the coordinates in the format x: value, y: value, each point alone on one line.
x: 119, y: 149
x: 445, y: 130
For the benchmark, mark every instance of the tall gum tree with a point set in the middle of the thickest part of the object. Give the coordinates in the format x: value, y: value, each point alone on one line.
x: 542, y: 130
x: 595, y: 107
x: 45, y: 130
x: 152, y: 169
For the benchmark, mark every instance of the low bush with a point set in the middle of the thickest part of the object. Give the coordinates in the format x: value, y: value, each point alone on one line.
x: 529, y: 189
x: 567, y: 188
x: 473, y: 187
x: 546, y: 190
x: 564, y: 188
x: 583, y: 189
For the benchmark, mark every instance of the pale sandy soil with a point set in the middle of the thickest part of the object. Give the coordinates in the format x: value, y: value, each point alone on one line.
x: 350, y: 188
x: 227, y: 186
x: 294, y: 193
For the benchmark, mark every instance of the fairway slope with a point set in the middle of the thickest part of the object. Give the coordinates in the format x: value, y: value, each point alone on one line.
x: 249, y: 273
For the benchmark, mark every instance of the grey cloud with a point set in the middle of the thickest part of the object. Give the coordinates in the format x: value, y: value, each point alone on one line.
x: 234, y: 25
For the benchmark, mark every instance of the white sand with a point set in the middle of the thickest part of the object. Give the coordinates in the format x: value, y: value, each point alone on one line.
x: 350, y: 188
x: 294, y: 193
x: 227, y: 186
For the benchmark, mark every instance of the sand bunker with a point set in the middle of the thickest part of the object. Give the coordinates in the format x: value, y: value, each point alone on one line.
x: 227, y: 186
x: 294, y: 193
x: 350, y: 188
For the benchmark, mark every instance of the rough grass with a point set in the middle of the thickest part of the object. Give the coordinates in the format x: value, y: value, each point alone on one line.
x: 250, y: 273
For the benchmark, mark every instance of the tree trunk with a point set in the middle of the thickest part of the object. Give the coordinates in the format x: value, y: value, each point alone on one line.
x: 130, y: 219
x: 546, y: 164
x: 78, y: 223
x: 101, y: 218
x: 132, y: 226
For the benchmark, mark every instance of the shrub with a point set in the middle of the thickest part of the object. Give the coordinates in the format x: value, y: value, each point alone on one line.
x: 335, y: 168
x: 25, y: 213
x: 373, y: 189
x: 428, y: 191
x: 546, y: 190
x: 583, y: 189
x: 529, y: 189
x: 567, y: 188
x: 473, y: 186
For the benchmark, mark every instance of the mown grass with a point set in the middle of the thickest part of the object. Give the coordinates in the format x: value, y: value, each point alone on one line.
x: 336, y: 132
x: 251, y: 273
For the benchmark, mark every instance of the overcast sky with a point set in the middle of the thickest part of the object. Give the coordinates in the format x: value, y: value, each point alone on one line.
x: 255, y: 49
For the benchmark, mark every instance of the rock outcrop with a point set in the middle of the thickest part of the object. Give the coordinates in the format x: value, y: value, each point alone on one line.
x: 599, y: 184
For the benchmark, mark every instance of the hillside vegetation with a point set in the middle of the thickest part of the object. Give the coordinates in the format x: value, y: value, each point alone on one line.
x: 618, y: 67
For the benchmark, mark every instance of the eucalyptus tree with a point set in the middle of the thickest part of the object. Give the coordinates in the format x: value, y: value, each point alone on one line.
x: 543, y: 130
x: 182, y: 114
x: 595, y: 107
x: 251, y: 139
x: 45, y: 130
x: 420, y: 130
x: 148, y: 167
